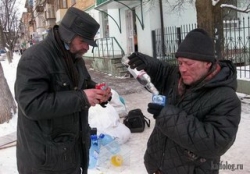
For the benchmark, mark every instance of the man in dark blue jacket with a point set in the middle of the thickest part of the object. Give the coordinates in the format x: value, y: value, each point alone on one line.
x: 200, y: 120
x: 54, y: 92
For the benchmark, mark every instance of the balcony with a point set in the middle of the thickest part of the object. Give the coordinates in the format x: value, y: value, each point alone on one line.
x: 31, y: 22
x: 50, y: 1
x: 40, y: 8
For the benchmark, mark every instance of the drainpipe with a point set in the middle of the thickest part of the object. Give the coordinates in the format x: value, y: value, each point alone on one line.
x: 162, y: 29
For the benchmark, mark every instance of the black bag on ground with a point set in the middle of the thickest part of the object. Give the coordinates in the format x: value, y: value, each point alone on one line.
x: 135, y: 121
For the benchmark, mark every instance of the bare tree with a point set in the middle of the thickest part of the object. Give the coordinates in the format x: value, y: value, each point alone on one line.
x: 7, y: 102
x: 8, y: 30
x: 10, y: 22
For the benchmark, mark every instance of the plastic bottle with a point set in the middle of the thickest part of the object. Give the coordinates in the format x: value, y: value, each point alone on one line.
x: 141, y: 76
x: 103, y: 86
x: 94, y: 149
x: 116, y: 160
x: 159, y: 99
x: 109, y: 143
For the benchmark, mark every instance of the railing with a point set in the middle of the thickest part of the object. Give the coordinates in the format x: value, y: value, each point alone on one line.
x: 108, y: 47
x: 236, y: 43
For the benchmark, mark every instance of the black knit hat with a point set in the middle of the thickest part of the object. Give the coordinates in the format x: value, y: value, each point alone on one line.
x: 77, y: 22
x: 197, y: 46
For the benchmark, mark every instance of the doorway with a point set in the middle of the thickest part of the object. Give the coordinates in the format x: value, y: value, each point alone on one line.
x: 132, y: 44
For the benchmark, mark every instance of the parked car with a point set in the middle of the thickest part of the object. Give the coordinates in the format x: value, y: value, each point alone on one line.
x: 2, y: 55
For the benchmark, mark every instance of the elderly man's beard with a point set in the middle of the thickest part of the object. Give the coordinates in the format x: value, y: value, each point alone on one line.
x: 79, y: 53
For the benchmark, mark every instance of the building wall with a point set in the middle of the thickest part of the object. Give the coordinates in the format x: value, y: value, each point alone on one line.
x: 151, y: 17
x: 27, y: 29
x: 151, y: 21
x: 84, y: 4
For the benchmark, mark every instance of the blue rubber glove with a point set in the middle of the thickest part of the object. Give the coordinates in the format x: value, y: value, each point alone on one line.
x: 155, y: 109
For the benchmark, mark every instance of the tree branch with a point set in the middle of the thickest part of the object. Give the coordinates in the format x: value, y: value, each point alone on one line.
x: 243, y: 10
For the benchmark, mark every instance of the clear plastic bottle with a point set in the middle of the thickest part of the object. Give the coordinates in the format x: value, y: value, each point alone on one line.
x: 94, y: 149
x: 141, y: 76
x: 109, y: 143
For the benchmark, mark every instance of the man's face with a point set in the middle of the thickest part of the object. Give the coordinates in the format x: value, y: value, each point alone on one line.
x: 78, y: 46
x: 192, y: 70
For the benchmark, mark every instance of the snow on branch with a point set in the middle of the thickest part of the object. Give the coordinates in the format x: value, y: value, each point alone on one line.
x: 244, y: 10
x: 214, y: 2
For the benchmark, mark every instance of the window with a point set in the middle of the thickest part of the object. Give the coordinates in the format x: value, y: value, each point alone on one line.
x: 63, y: 4
x: 50, y: 13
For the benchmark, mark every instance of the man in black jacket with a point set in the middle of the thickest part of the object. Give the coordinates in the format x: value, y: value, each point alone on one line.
x: 54, y: 92
x: 200, y: 120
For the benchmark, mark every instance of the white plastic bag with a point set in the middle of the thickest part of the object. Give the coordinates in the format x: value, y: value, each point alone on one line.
x: 103, y: 118
x: 121, y: 132
x: 119, y: 106
x: 107, y: 121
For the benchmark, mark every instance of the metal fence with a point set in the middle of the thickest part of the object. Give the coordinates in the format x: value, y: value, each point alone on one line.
x: 108, y: 47
x: 235, y: 43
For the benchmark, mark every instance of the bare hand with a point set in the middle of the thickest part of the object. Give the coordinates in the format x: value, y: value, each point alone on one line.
x: 96, y: 96
x: 107, y: 95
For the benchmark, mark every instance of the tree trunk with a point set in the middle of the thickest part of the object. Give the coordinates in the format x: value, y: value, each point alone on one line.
x: 8, y: 55
x: 210, y: 18
x: 218, y: 30
x: 205, y: 16
x: 7, y: 102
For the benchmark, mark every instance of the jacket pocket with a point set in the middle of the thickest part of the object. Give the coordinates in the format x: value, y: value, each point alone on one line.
x: 193, y: 159
x: 61, y: 153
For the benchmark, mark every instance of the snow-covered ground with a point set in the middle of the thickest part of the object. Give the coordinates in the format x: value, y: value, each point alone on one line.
x: 235, y: 161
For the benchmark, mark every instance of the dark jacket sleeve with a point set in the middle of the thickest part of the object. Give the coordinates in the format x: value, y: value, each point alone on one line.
x: 91, y: 84
x: 209, y: 137
x: 33, y: 96
x: 161, y: 73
